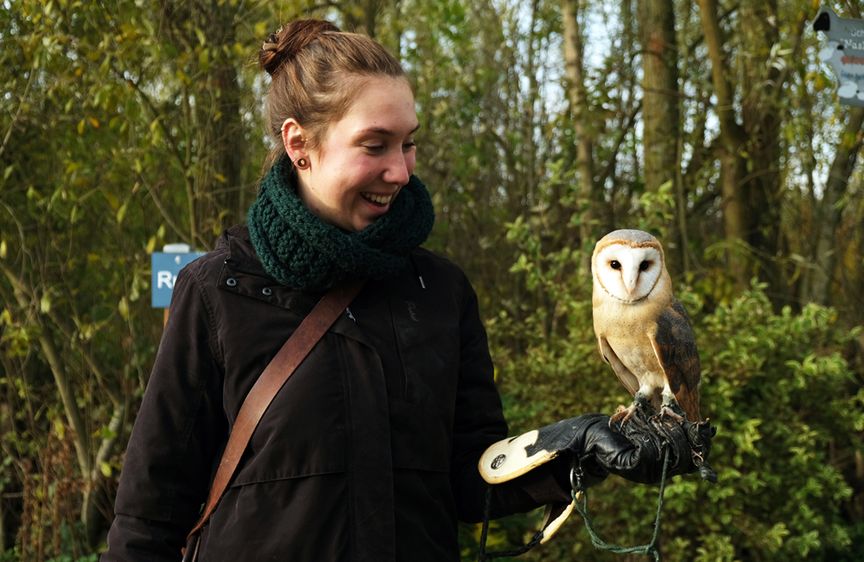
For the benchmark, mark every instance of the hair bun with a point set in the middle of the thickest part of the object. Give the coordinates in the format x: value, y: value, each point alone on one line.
x: 284, y: 45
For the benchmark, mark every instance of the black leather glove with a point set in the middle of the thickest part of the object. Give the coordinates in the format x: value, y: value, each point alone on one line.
x: 582, y: 451
x: 634, y: 451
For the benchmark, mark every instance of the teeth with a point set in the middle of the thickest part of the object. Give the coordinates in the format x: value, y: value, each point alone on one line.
x: 379, y: 199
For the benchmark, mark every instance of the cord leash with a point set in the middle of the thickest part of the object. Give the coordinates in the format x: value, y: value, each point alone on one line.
x: 580, y: 497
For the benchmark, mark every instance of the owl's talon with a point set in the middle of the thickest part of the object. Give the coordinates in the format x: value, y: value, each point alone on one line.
x: 667, y: 411
x: 623, y: 414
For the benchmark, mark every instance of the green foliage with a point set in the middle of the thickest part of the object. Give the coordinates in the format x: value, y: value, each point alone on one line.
x: 780, y: 392
x: 105, y: 122
x: 130, y: 124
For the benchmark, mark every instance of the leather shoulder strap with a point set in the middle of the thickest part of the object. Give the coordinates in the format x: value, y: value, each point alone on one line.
x: 280, y: 368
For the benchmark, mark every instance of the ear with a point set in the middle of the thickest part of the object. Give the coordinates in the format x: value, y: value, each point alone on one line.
x: 294, y: 139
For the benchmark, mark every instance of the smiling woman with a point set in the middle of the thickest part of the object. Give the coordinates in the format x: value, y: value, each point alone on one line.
x: 370, y: 450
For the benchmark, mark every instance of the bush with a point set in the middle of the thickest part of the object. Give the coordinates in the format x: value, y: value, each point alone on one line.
x: 786, y: 403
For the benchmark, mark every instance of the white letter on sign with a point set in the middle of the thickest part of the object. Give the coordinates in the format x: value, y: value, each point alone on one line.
x: 164, y: 279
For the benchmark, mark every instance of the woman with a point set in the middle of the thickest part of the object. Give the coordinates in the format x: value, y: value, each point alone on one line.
x: 370, y: 450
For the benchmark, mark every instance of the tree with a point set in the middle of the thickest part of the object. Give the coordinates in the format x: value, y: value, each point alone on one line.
x: 662, y: 136
x: 577, y: 96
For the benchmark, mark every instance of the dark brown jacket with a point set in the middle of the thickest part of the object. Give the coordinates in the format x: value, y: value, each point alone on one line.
x: 368, y: 453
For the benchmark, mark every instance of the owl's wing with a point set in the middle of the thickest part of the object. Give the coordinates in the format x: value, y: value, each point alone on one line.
x: 674, y: 344
x: 627, y: 378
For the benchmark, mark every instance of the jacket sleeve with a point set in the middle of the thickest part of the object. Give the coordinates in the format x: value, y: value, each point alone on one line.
x: 479, y: 422
x: 176, y: 437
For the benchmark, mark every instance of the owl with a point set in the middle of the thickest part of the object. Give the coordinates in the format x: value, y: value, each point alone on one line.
x: 642, y: 331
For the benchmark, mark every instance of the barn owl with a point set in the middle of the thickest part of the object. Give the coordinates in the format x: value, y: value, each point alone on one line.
x: 643, y: 332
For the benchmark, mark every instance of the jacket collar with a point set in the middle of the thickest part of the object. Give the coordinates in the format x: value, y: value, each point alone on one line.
x: 253, y: 279
x: 241, y: 252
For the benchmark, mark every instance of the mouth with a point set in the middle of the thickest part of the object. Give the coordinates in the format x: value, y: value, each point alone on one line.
x: 378, y: 199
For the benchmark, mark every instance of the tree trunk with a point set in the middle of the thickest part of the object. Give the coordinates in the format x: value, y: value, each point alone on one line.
x: 660, y: 102
x: 529, y: 180
x: 577, y: 96
x: 732, y: 164
x: 761, y: 113
x: 660, y: 91
x: 219, y: 182
x: 818, y: 284
x: 361, y: 16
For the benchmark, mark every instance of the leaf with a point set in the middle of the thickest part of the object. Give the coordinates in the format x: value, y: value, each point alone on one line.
x: 107, y: 433
x: 121, y: 212
x: 59, y: 428
x: 105, y: 469
x: 112, y: 199
x: 45, y: 304
x: 135, y: 291
x: 3, y: 249
x: 123, y: 307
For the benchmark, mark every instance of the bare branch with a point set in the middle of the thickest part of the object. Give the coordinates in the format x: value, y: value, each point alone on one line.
x: 15, y: 117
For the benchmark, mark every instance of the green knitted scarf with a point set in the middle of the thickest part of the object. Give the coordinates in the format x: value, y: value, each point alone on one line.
x: 301, y: 251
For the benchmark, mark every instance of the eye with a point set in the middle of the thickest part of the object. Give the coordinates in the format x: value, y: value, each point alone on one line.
x: 406, y: 147
x: 374, y: 148
x: 615, y: 264
x: 644, y: 265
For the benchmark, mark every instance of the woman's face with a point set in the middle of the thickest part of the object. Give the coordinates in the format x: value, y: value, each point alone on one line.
x: 364, y: 159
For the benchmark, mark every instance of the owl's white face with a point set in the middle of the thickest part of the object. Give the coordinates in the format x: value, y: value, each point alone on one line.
x: 627, y: 273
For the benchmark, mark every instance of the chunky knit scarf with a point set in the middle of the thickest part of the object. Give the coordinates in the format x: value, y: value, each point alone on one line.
x: 301, y: 251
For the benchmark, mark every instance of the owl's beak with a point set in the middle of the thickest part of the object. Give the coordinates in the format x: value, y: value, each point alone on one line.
x: 630, y: 283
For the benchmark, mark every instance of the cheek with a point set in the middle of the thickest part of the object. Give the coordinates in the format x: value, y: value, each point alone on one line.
x: 411, y: 161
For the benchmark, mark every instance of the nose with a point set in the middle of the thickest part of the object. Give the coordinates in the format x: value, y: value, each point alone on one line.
x: 399, y: 168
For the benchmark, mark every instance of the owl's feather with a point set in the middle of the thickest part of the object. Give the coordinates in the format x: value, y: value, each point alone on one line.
x: 674, y: 344
x: 627, y: 378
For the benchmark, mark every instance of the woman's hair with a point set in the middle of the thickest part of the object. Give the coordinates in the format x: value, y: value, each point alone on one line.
x: 315, y: 70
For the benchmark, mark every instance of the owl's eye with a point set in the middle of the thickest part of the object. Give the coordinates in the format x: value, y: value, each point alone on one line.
x: 644, y: 265
x: 615, y: 264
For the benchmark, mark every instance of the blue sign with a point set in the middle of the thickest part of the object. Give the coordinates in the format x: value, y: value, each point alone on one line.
x: 165, y: 267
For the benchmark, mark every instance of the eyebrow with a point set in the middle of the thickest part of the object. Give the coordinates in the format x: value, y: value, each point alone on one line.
x: 387, y: 132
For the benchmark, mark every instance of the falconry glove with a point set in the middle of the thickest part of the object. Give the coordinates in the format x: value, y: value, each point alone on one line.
x: 591, y: 449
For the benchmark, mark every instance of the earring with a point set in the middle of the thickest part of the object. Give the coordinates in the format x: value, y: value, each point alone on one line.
x: 301, y: 163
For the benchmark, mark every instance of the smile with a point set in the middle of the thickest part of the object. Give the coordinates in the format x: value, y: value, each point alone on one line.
x: 376, y: 199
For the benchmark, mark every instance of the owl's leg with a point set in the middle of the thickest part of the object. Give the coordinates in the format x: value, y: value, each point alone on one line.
x: 623, y: 414
x: 670, y: 407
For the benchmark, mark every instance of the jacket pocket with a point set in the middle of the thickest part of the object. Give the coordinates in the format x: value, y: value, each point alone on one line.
x: 304, y: 430
x: 288, y: 519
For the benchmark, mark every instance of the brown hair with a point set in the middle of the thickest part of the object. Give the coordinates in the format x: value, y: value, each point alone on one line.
x: 314, y: 67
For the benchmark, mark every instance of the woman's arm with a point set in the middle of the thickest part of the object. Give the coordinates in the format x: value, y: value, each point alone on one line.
x: 177, y: 435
